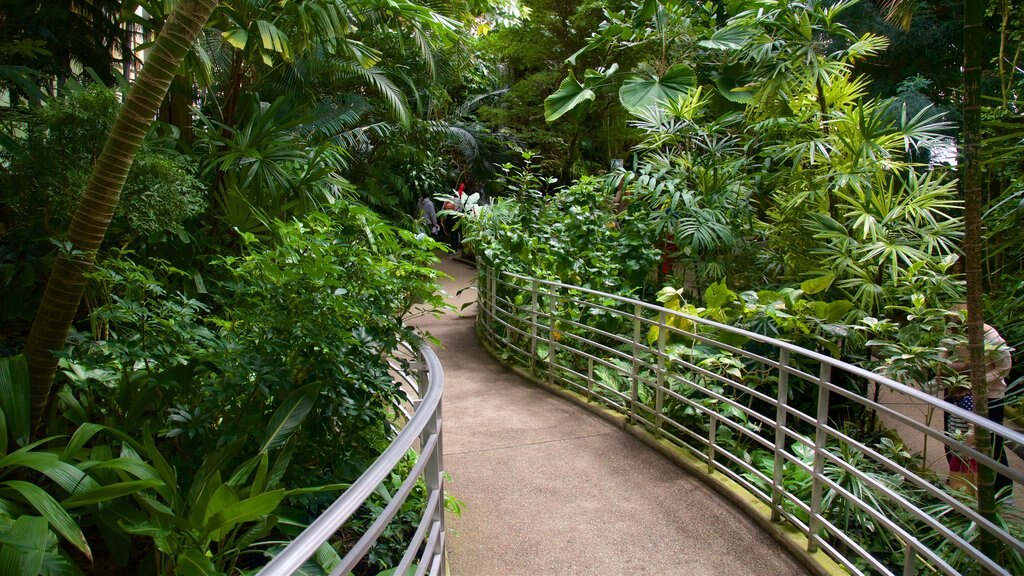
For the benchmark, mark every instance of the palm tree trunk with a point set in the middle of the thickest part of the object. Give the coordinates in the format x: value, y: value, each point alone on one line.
x: 96, y: 207
x: 974, y: 58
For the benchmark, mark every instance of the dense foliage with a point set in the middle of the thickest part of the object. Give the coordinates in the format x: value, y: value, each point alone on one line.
x: 227, y: 371
x: 786, y: 167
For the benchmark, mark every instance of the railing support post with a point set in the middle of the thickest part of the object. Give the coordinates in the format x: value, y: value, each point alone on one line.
x: 533, y: 327
x: 590, y: 379
x: 659, y: 390
x: 712, y: 440
x: 782, y: 400
x: 484, y: 315
x: 634, y: 393
x: 909, y: 560
x: 552, y: 342
x: 492, y: 303
x: 820, y: 436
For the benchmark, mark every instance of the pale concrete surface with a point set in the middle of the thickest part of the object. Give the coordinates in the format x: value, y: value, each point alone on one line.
x: 551, y: 489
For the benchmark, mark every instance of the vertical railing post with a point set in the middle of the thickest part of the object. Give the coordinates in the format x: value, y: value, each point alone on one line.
x: 533, y: 326
x: 492, y: 304
x: 434, y: 471
x: 659, y: 390
x: 782, y: 400
x: 820, y: 436
x: 712, y: 441
x: 481, y: 316
x: 909, y: 560
x: 552, y: 342
x: 634, y: 393
x: 590, y: 379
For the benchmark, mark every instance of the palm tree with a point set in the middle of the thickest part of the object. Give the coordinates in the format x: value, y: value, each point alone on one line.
x: 96, y: 208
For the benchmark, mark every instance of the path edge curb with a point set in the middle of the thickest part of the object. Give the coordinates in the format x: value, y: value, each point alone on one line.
x: 788, y: 536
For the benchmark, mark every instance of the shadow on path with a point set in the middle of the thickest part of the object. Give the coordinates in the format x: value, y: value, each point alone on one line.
x: 551, y: 489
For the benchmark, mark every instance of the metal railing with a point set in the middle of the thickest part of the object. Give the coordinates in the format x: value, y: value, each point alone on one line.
x: 757, y: 410
x: 425, y: 553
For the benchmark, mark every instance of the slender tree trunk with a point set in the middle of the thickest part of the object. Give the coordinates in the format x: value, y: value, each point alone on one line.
x: 974, y: 35
x: 92, y: 216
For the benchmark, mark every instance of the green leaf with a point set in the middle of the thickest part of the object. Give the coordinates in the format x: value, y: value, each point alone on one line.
x: 110, y: 492
x: 160, y: 464
x: 237, y: 37
x: 221, y: 498
x: 819, y: 284
x: 273, y: 40
x: 644, y: 13
x: 195, y: 563
x: 288, y: 416
x: 327, y: 557
x: 718, y: 295
x: 728, y: 38
x: 24, y: 546
x: 243, y: 511
x: 837, y: 310
x: 68, y: 477
x: 82, y: 435
x: 136, y: 468
x: 638, y: 94
x: 393, y: 571
x: 54, y: 514
x: 570, y: 94
x: 734, y: 89
x: 317, y: 489
x: 14, y: 393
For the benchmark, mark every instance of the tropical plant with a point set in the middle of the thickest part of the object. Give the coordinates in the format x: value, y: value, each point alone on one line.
x: 91, y: 218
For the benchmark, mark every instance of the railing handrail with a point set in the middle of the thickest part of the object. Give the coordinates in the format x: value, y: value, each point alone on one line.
x: 577, y: 352
x: 424, y: 426
x: 781, y: 344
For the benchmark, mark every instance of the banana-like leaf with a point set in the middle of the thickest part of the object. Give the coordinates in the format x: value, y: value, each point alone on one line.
x: 195, y: 563
x: 288, y: 416
x: 243, y: 511
x: 54, y: 514
x: 14, y: 396
x: 638, y: 94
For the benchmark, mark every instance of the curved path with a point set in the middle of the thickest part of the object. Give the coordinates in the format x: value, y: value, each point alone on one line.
x: 551, y: 489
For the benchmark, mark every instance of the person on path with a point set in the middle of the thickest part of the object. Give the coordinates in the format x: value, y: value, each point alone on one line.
x: 963, y: 470
x: 997, y: 366
x: 428, y: 214
x: 454, y: 234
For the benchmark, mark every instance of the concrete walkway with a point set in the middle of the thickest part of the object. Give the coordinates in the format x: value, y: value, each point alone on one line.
x: 551, y: 489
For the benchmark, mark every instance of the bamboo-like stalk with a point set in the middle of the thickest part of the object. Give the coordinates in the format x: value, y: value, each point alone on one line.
x: 974, y: 59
